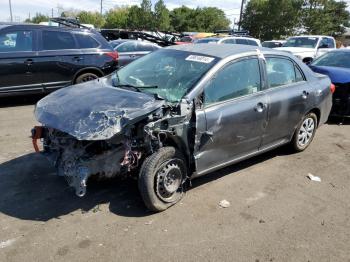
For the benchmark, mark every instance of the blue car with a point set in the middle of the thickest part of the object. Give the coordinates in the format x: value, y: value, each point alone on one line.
x: 336, y: 65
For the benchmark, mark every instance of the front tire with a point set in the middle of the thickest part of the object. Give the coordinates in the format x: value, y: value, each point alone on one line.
x: 304, y: 133
x: 161, y: 179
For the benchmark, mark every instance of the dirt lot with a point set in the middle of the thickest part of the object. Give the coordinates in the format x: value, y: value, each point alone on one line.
x: 276, y: 213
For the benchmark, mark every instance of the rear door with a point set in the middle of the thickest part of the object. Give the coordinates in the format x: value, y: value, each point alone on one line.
x: 126, y: 52
x: 59, y: 58
x: 231, y: 123
x: 18, y: 67
x: 288, y: 99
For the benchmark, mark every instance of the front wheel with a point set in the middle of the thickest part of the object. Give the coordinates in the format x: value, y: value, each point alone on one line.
x: 304, y: 133
x: 161, y: 179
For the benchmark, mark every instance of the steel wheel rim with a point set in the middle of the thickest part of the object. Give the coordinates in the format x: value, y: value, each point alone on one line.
x: 169, y: 179
x: 306, y: 132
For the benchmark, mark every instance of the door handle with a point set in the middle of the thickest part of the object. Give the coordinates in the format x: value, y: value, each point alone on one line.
x: 77, y: 58
x: 305, y: 94
x: 132, y: 56
x: 29, y: 62
x: 260, y: 107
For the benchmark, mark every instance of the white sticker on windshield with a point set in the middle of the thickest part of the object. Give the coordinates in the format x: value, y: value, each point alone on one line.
x: 200, y: 59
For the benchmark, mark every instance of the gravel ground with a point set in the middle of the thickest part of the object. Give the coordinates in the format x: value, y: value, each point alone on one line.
x: 276, y: 213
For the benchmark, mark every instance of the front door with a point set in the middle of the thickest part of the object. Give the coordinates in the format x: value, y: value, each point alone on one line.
x: 231, y: 123
x: 18, y: 68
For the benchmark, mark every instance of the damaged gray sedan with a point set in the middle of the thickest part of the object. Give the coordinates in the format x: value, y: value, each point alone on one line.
x: 180, y: 113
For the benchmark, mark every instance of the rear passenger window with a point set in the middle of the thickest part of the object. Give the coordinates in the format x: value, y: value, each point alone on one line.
x: 252, y: 42
x: 237, y: 79
x: 282, y: 71
x: 54, y: 40
x: 241, y: 41
x: 127, y: 47
x: 229, y: 41
x: 86, y: 41
x: 142, y: 47
x: 16, y: 41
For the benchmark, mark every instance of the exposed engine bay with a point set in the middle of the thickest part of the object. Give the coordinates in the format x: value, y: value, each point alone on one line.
x: 78, y: 159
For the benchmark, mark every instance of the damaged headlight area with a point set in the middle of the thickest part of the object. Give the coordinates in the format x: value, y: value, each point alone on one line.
x: 77, y: 160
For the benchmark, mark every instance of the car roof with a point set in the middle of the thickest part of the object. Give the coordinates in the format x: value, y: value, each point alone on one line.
x: 222, y: 51
x: 311, y: 36
x: 37, y: 26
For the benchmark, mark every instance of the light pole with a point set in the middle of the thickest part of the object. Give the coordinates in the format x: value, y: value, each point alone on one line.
x: 10, y: 11
x: 240, y: 15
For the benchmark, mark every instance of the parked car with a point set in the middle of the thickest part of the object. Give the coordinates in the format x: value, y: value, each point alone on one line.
x: 38, y: 58
x: 180, y: 113
x: 230, y: 40
x: 308, y: 47
x: 130, y: 50
x: 336, y: 65
x: 273, y: 43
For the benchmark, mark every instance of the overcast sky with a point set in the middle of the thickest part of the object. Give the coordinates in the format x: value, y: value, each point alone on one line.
x: 22, y: 8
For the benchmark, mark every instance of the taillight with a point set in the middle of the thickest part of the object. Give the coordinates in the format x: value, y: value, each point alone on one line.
x: 113, y: 54
x: 332, y: 87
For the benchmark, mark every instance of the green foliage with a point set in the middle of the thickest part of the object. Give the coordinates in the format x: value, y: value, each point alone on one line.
x: 162, y: 16
x: 117, y: 18
x: 93, y: 18
x: 135, y: 20
x: 38, y: 18
x: 207, y: 19
x: 274, y: 19
x: 325, y: 17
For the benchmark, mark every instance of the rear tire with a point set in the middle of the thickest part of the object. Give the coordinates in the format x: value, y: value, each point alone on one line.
x: 161, y: 179
x: 304, y: 133
x: 85, y: 77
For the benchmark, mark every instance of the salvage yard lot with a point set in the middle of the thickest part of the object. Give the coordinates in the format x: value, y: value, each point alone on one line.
x: 276, y: 213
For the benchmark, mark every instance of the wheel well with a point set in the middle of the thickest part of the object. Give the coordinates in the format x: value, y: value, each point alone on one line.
x: 317, y: 112
x: 95, y: 71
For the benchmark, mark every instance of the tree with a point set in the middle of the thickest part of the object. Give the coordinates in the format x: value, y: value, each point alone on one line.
x: 272, y: 19
x: 210, y: 19
x: 182, y: 19
x: 134, y: 20
x: 93, y: 18
x: 38, y: 18
x: 146, y: 17
x: 117, y: 18
x: 162, y: 16
x: 325, y: 17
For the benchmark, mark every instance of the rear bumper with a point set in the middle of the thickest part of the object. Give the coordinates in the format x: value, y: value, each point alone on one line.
x: 341, y: 101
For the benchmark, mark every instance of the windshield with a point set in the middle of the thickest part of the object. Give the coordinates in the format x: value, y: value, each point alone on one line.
x: 170, y: 74
x: 336, y: 59
x: 207, y: 40
x: 306, y: 42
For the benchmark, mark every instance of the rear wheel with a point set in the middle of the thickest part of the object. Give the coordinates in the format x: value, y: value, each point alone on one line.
x: 304, y: 133
x: 86, y: 77
x: 161, y: 179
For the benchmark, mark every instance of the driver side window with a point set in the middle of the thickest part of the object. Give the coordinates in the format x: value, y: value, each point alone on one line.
x: 234, y: 80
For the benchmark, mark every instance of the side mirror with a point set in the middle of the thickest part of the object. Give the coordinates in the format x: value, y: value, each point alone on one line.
x: 308, y: 60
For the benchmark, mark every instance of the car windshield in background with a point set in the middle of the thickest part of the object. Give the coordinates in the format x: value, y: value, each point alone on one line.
x: 207, y: 40
x: 271, y: 44
x: 306, y: 42
x: 336, y: 59
x: 168, y: 73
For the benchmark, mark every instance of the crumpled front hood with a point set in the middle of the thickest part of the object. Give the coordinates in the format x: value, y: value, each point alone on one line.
x: 94, y: 110
x: 338, y: 75
x: 296, y: 50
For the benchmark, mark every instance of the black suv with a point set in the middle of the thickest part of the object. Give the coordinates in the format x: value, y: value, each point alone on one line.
x: 36, y: 58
